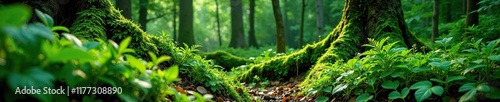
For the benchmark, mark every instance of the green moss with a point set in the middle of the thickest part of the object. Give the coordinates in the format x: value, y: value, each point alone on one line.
x: 102, y: 21
x: 225, y: 59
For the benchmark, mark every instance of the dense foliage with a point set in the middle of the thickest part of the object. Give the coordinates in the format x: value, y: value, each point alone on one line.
x: 464, y: 71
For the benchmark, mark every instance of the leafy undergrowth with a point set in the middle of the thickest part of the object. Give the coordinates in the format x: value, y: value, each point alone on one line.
x: 463, y: 71
x: 34, y: 55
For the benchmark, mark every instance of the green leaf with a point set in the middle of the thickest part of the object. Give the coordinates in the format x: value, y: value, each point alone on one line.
x: 371, y: 81
x: 394, y: 95
x: 493, y: 94
x: 472, y: 67
x: 127, y: 97
x: 328, y: 89
x: 453, y: 78
x: 437, y: 80
x: 494, y: 57
x: 162, y: 59
x: 136, y: 63
x: 15, y: 15
x: 70, y: 54
x: 386, y: 73
x: 421, y: 85
x: 405, y: 92
x: 45, y: 18
x: 390, y: 84
x: 142, y: 84
x: 123, y: 45
x: 468, y: 96
x: 438, y: 90
x: 322, y: 99
x: 364, y: 97
x: 467, y: 87
x: 444, y: 65
x: 60, y: 28
x: 397, y: 74
x: 72, y: 38
x: 212, y: 82
x: 421, y: 69
x: 172, y: 73
x: 483, y: 87
x: 339, y: 88
x: 422, y: 94
x: 199, y: 98
x: 33, y: 77
x: 456, y: 47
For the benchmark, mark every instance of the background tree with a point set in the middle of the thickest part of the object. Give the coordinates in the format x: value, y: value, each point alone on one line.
x: 174, y: 20
x: 472, y: 16
x: 319, y: 18
x: 218, y: 21
x: 251, y: 33
x: 301, y: 35
x: 186, y: 22
x: 143, y: 13
x: 126, y: 7
x: 280, y: 31
x: 435, y: 20
x: 237, y: 32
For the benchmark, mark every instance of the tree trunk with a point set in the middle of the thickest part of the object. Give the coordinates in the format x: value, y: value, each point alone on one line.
x: 280, y: 31
x: 143, y: 13
x: 251, y: 32
x: 126, y: 7
x: 218, y: 21
x: 361, y: 19
x: 237, y: 32
x: 301, y: 35
x: 472, y: 17
x: 435, y: 21
x: 319, y: 18
x: 174, y: 24
x: 186, y: 22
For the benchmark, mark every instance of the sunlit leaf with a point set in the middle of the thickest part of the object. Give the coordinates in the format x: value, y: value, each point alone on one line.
x: 364, y: 97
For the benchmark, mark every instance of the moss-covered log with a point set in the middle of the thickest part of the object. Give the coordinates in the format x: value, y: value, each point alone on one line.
x: 361, y: 19
x: 225, y: 59
x: 98, y: 19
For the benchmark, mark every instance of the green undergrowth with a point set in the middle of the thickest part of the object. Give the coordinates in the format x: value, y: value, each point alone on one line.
x: 462, y: 71
x: 124, y: 67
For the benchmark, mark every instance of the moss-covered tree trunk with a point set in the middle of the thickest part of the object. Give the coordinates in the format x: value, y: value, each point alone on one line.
x: 361, y: 19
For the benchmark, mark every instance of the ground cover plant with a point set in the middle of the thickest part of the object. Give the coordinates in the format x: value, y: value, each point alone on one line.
x: 397, y: 50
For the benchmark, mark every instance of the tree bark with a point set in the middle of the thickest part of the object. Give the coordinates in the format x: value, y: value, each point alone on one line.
x: 280, y: 31
x: 126, y: 7
x: 301, y: 35
x: 251, y: 33
x: 186, y: 22
x: 174, y: 24
x: 472, y: 17
x: 361, y: 19
x: 435, y: 20
x: 143, y: 13
x: 319, y: 18
x: 218, y: 21
x: 237, y: 32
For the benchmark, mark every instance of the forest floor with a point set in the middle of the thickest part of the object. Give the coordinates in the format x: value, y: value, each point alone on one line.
x: 273, y: 91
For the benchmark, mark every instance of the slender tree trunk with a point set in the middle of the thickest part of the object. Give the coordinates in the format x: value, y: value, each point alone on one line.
x: 143, y: 13
x: 126, y: 7
x: 280, y: 30
x: 237, y: 32
x: 174, y: 24
x: 464, y: 7
x: 472, y: 17
x: 319, y: 18
x: 301, y: 36
x: 435, y: 20
x: 218, y: 21
x: 251, y: 33
x: 447, y: 12
x: 186, y: 22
